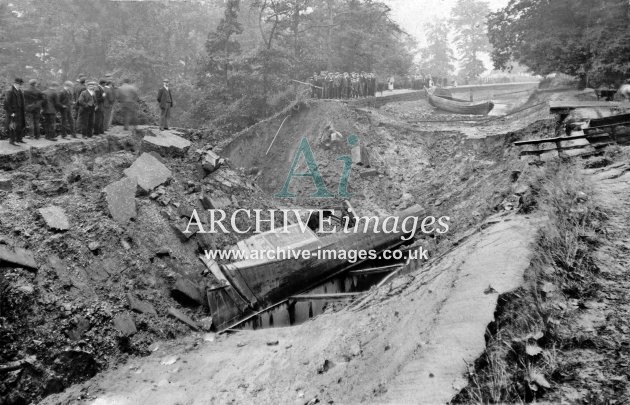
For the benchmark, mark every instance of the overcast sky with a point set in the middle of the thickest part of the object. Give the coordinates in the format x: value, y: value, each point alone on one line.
x: 413, y: 15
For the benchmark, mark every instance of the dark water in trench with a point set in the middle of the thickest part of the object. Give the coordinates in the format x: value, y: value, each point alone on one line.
x: 297, y: 312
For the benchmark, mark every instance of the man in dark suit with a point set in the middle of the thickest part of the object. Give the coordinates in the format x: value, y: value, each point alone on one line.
x: 76, y: 92
x: 165, y: 100
x: 15, y: 112
x: 66, y: 100
x: 99, y: 111
x: 87, y: 105
x: 50, y: 108
x: 108, y: 104
x: 33, y: 99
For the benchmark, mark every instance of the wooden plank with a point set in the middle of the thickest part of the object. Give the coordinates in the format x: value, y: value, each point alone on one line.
x: 545, y: 140
x: 332, y: 296
x: 375, y: 270
x: 572, y: 105
x: 541, y: 151
x: 618, y: 119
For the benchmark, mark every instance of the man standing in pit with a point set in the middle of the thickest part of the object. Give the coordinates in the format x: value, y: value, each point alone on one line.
x: 165, y: 100
x: 33, y: 99
x: 15, y: 112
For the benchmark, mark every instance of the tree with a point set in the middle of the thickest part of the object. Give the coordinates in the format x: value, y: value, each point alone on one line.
x: 576, y: 37
x: 222, y: 47
x: 437, y: 56
x: 468, y: 18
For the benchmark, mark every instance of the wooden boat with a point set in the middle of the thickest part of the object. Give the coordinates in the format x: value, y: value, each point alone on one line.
x: 251, y: 285
x: 458, y: 106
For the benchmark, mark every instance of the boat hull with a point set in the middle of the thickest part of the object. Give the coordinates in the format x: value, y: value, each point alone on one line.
x: 459, y: 106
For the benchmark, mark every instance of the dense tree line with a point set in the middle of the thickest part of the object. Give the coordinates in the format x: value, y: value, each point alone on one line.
x: 587, y: 38
x: 230, y: 62
x: 260, y: 46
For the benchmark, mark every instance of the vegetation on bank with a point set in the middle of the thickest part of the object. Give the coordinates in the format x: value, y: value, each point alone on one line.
x: 529, y: 345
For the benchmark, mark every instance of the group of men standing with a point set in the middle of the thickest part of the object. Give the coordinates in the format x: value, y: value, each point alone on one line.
x: 85, y: 106
x: 329, y: 85
x: 80, y: 106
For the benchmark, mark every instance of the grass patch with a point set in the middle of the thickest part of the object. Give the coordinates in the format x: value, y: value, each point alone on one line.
x: 521, y: 362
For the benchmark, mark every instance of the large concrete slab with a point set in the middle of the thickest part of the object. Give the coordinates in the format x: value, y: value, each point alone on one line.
x: 55, y: 218
x: 149, y: 172
x: 166, y: 143
x: 121, y: 199
x: 18, y: 257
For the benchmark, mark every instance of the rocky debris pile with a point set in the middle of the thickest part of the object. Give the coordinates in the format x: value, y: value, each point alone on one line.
x: 93, y: 271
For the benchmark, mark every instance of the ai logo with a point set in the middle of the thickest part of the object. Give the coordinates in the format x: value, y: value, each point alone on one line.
x: 305, y: 152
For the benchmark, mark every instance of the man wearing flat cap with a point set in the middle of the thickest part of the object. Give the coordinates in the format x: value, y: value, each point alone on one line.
x: 15, y: 112
x: 33, y: 99
x: 87, y: 105
x: 165, y: 100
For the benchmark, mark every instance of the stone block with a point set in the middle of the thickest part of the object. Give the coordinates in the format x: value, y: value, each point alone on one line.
x: 180, y: 316
x: 148, y: 172
x: 121, y: 199
x: 140, y: 306
x: 17, y: 257
x: 55, y: 218
x: 125, y: 324
x: 187, y: 292
x: 166, y: 143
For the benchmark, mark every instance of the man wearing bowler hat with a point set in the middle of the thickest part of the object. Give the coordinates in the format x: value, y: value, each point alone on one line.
x: 165, y: 100
x: 15, y: 113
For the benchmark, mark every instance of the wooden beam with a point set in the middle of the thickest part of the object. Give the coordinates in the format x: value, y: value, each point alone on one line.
x: 546, y: 140
x: 332, y: 296
x: 375, y: 270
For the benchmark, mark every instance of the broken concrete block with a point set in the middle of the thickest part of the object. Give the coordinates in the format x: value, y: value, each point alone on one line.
x: 185, y: 210
x: 149, y: 172
x: 121, y: 199
x: 166, y: 143
x: 187, y: 292
x: 18, y: 257
x: 180, y: 228
x: 215, y: 202
x: 55, y: 218
x: 6, y: 184
x: 125, y: 324
x: 211, y: 162
x: 140, y: 306
x: 182, y: 318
